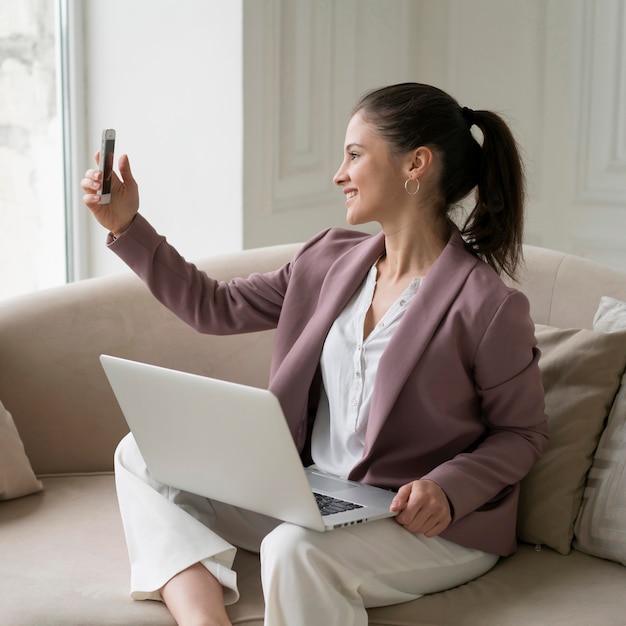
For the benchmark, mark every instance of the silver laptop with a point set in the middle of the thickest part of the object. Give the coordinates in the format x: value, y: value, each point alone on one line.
x: 231, y: 443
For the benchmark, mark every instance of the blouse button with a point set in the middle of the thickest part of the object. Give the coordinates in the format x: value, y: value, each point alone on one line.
x: 402, y: 302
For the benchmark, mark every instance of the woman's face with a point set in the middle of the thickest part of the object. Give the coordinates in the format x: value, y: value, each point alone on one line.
x: 371, y: 177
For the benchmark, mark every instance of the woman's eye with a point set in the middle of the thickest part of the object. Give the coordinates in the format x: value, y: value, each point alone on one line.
x: 353, y: 155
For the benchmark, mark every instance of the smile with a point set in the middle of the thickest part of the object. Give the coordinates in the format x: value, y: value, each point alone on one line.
x: 350, y: 194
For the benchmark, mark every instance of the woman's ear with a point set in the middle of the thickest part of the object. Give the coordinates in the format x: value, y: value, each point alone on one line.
x: 421, y: 160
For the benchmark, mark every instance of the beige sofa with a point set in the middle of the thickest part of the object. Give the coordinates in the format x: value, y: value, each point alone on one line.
x: 62, y: 552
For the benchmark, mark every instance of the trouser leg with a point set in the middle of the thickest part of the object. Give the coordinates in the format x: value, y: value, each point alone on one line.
x: 309, y: 578
x: 167, y: 529
x: 329, y: 579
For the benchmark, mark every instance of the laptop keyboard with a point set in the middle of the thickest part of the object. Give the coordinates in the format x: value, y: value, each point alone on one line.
x: 329, y: 505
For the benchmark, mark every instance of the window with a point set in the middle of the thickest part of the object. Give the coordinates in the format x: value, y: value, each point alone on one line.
x: 32, y: 199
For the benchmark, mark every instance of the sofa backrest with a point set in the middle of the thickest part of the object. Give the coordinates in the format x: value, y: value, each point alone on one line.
x: 53, y: 384
x: 564, y: 290
x: 50, y: 376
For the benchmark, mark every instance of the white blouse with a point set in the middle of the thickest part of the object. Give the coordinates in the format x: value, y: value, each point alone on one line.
x: 349, y: 365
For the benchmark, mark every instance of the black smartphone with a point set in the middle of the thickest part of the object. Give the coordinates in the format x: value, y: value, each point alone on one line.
x: 107, y: 150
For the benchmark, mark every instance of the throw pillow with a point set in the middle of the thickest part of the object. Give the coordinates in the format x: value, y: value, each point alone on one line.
x: 16, y: 474
x: 600, y: 529
x: 581, y: 371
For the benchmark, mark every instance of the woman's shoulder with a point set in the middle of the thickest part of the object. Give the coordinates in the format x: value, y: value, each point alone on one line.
x: 334, y: 241
x: 481, y: 276
x: 487, y: 294
x: 341, y: 236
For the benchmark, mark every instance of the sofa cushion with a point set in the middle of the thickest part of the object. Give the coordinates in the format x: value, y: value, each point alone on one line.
x: 16, y: 474
x: 73, y: 569
x: 581, y: 371
x: 67, y: 560
x: 601, y: 525
x: 64, y: 553
x: 529, y: 588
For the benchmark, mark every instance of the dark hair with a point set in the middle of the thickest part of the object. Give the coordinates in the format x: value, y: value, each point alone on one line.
x: 411, y: 115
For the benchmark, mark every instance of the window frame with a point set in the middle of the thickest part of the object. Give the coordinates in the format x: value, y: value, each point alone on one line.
x: 71, y: 98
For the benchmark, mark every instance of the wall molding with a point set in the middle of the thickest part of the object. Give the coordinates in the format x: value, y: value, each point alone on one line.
x: 305, y: 63
x: 602, y: 109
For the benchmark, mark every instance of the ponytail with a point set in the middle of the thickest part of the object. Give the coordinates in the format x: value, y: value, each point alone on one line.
x: 410, y: 115
x: 494, y: 229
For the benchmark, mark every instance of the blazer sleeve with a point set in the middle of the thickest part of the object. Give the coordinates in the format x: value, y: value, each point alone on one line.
x: 210, y: 306
x: 508, y: 383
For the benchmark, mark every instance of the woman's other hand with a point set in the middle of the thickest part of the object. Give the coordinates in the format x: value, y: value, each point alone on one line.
x: 423, y: 508
x: 118, y: 215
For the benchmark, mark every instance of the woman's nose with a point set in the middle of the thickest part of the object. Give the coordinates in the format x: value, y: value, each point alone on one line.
x: 339, y: 178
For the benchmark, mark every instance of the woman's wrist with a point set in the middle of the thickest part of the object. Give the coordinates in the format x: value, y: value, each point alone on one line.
x: 119, y: 232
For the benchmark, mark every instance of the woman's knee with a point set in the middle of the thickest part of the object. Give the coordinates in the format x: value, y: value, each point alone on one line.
x: 284, y: 540
x: 286, y: 547
x: 128, y: 461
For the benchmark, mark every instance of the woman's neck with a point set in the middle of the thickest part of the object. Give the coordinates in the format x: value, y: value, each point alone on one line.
x: 412, y: 249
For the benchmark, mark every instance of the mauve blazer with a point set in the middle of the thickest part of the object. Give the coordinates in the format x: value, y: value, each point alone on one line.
x: 458, y: 397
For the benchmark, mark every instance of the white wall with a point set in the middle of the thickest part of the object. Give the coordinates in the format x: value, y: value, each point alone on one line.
x: 553, y: 68
x: 556, y: 69
x: 305, y: 66
x: 167, y: 76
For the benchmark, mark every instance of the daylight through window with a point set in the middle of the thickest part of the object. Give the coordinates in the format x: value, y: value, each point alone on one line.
x: 32, y: 214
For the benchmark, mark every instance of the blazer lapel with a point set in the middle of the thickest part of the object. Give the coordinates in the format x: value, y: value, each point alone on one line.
x: 435, y: 296
x: 293, y: 377
x: 344, y: 278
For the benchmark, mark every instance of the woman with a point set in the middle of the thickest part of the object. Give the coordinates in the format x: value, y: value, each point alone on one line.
x: 427, y: 362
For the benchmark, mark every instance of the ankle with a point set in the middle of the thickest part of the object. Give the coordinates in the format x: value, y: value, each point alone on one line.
x: 195, y: 598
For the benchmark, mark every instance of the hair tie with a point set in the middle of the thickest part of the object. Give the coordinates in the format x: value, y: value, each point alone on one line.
x: 468, y: 115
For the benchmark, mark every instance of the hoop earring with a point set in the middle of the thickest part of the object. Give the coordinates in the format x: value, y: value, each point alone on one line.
x: 406, y: 186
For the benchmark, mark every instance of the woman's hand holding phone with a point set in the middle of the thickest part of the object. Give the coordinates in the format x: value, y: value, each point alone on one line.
x: 117, y: 214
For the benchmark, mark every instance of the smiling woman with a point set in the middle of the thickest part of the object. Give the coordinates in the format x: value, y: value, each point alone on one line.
x: 32, y: 225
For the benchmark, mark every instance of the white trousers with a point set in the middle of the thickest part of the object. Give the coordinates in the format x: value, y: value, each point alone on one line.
x: 309, y: 578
